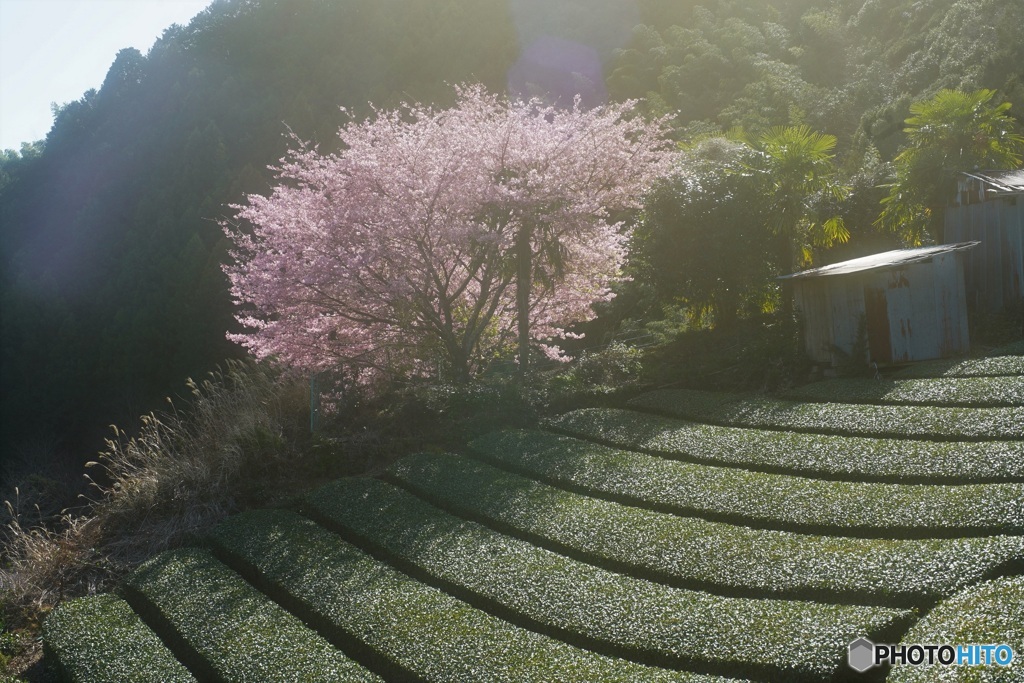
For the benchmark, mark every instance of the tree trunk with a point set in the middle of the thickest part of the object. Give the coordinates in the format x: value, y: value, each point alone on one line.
x: 787, y: 260
x: 524, y: 274
x: 458, y: 370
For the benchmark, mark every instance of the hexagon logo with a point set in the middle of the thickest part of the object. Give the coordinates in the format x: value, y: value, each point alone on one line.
x: 862, y: 655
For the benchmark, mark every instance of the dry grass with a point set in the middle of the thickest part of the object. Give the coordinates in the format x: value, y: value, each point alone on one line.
x: 243, y: 441
x: 43, y: 566
x: 184, y: 471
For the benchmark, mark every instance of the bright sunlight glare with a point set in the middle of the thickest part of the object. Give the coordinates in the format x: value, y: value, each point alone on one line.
x: 55, y: 50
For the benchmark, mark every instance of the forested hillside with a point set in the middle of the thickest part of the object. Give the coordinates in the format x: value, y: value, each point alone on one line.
x: 847, y: 67
x: 112, y: 289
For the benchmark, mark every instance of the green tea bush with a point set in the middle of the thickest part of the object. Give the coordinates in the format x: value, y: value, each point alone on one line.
x: 851, y: 457
x: 184, y: 471
x: 1002, y: 329
x: 230, y: 630
x: 443, y: 414
x: 100, y: 639
x: 758, y: 498
x: 411, y: 630
x: 603, y: 371
x: 971, y: 367
x: 761, y: 352
x: 238, y: 443
x: 696, y: 553
x: 990, y: 612
x: 10, y: 644
x: 940, y: 424
x: 958, y: 392
x: 572, y: 599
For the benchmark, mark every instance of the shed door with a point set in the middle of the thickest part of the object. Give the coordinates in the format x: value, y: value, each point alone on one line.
x: 876, y: 316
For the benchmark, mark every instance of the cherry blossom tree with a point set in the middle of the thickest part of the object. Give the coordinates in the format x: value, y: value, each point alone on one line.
x: 439, y: 239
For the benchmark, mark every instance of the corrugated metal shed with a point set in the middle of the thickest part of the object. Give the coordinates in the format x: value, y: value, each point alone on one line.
x: 973, y: 188
x: 989, y: 207
x: 911, y: 302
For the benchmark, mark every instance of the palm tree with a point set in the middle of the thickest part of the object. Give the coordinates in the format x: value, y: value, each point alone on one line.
x: 951, y: 132
x: 799, y: 173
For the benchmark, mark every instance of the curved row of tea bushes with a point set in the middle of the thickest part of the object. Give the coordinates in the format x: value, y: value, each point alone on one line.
x: 226, y: 629
x: 100, y: 639
x: 758, y: 498
x: 915, y: 422
x: 597, y: 608
x: 971, y: 367
x: 989, y: 613
x: 816, y: 455
x: 978, y: 392
x: 410, y: 630
x: 692, y: 552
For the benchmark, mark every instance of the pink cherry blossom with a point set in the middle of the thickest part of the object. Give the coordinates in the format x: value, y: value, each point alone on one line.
x: 397, y: 254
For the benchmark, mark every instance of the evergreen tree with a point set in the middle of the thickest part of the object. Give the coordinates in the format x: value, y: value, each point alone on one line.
x: 950, y: 132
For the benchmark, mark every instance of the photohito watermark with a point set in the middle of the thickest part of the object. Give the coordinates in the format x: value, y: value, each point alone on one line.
x: 864, y: 654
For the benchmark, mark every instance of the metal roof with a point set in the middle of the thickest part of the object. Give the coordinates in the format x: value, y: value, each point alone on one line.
x: 887, y: 259
x: 1001, y: 182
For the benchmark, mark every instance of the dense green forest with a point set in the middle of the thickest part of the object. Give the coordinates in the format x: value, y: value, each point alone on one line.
x: 110, y: 270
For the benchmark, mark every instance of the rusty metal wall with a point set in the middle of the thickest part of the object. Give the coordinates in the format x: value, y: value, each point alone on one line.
x: 927, y: 309
x: 831, y: 310
x: 993, y: 271
x: 1012, y: 221
x: 811, y: 301
x: 912, y: 312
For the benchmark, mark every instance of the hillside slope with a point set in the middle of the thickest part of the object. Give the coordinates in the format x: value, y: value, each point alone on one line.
x: 612, y: 545
x: 111, y: 291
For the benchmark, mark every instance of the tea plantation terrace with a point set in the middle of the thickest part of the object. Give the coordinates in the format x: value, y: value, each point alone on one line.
x: 690, y: 536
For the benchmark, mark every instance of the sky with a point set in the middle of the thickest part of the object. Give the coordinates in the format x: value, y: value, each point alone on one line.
x: 55, y: 50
